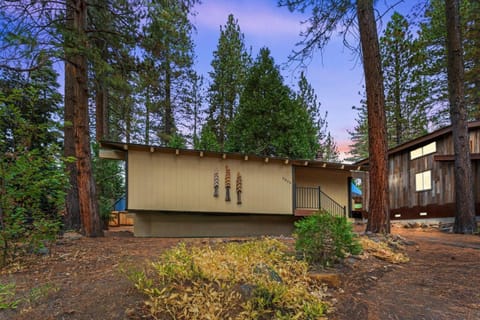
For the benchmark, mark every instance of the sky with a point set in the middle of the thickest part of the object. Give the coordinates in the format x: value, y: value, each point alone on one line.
x: 336, y: 74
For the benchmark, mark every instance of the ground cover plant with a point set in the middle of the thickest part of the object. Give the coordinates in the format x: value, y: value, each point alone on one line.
x: 258, y: 279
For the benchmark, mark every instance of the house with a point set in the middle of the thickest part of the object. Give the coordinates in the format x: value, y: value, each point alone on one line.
x: 421, y: 175
x: 181, y: 193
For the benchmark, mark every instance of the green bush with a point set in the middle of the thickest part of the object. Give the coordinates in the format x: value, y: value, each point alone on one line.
x: 323, y: 238
x: 31, y: 198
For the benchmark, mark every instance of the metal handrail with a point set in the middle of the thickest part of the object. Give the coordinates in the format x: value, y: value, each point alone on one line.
x: 315, y: 198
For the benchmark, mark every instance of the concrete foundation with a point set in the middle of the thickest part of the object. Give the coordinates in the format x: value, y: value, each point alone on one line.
x: 161, y: 224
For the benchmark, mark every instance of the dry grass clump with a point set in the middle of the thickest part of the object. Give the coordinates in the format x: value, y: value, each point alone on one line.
x: 384, y: 249
x: 250, y: 280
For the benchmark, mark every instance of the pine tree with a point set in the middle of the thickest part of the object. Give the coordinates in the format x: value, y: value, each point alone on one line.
x: 359, y: 134
x: 168, y: 48
x: 406, y: 92
x: 230, y: 63
x: 307, y: 97
x: 465, y: 221
x: 472, y: 56
x: 433, y: 33
x: 270, y: 120
x: 328, y: 17
x: 110, y: 58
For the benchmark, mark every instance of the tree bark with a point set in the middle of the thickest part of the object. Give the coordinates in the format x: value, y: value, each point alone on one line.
x: 378, y: 215
x: 169, y: 124
x: 72, y: 210
x: 464, y: 200
x: 89, y: 213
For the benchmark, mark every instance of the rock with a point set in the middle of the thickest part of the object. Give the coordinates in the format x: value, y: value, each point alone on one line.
x: 351, y: 260
x: 72, y: 236
x: 403, y: 240
x: 331, y: 279
x: 42, y: 251
x: 247, y: 290
x: 264, y: 269
x: 130, y: 312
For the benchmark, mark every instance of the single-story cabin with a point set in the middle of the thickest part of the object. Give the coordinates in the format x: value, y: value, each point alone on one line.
x: 421, y: 176
x: 182, y: 193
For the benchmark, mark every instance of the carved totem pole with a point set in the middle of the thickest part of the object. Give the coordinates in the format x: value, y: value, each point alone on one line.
x: 239, y: 188
x: 227, y: 183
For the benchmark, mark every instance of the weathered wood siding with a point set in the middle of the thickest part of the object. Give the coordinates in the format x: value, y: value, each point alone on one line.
x: 168, y: 182
x: 439, y: 200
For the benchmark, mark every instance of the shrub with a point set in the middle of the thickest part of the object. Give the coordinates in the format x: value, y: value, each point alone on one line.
x: 250, y: 280
x: 32, y: 195
x: 323, y: 238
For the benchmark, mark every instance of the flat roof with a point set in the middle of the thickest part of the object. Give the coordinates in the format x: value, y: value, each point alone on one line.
x: 120, y: 148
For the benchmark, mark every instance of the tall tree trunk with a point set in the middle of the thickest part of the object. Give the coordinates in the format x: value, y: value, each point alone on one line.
x: 168, y: 120
x: 378, y: 215
x: 89, y: 213
x: 147, y: 117
x: 464, y: 200
x: 72, y: 209
x: 398, y: 105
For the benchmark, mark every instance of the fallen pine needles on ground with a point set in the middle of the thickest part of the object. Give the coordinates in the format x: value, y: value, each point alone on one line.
x: 386, y: 248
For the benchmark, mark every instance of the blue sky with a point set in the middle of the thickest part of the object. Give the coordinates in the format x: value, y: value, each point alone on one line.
x: 336, y: 75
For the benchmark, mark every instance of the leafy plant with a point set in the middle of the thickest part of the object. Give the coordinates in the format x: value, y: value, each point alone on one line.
x: 323, y: 238
x: 250, y: 280
x: 7, y: 296
x: 40, y: 292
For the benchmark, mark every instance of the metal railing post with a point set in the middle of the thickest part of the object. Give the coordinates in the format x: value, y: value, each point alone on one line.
x: 319, y: 199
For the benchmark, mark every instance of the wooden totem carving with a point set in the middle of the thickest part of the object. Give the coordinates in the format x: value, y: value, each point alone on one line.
x: 239, y: 188
x: 216, y: 183
x: 227, y: 183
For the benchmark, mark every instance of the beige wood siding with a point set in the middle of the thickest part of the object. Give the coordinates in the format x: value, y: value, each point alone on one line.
x: 332, y: 182
x: 169, y: 182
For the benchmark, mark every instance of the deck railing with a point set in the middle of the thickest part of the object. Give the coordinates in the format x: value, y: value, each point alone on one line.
x: 314, y: 198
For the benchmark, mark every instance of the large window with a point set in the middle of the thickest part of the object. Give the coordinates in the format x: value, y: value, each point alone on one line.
x: 423, y: 151
x: 423, y: 181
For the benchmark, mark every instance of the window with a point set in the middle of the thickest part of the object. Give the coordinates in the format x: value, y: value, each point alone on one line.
x: 423, y: 181
x: 423, y: 151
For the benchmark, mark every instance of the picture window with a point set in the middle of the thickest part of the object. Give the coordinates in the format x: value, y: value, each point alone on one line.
x: 423, y: 181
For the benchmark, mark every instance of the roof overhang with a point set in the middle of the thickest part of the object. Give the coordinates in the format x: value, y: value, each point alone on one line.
x: 118, y: 151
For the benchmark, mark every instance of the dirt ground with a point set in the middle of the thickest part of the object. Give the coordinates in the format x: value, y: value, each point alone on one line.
x: 441, y: 281
x: 81, y: 278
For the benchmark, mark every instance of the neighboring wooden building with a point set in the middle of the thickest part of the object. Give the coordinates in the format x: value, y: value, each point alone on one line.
x: 177, y: 193
x: 421, y: 175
